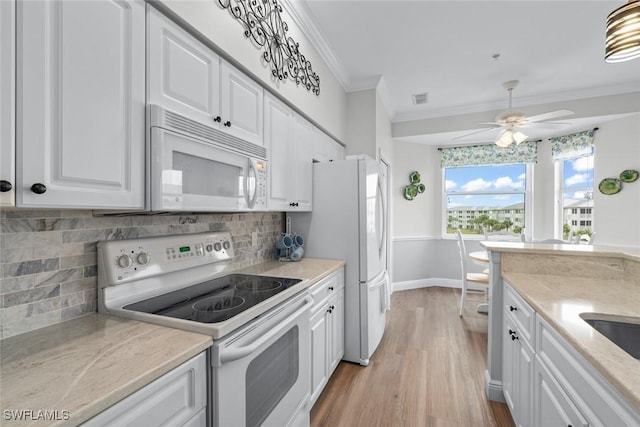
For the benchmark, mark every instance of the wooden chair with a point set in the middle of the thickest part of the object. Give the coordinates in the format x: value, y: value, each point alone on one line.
x: 478, y: 281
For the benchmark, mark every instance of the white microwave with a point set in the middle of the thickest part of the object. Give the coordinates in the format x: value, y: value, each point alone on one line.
x: 196, y: 168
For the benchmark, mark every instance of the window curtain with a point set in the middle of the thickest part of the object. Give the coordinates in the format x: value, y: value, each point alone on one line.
x: 573, y: 145
x: 490, y: 154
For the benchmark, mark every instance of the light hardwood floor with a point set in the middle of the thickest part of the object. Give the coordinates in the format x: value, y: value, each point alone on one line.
x: 427, y: 371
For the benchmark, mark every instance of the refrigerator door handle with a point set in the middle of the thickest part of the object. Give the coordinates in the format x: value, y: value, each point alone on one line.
x: 383, y: 231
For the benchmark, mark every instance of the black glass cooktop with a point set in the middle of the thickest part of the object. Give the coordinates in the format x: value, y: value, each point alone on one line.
x: 215, y: 300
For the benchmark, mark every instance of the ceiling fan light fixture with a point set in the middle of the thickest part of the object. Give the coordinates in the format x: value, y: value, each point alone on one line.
x: 623, y: 33
x: 505, y: 138
x: 519, y: 137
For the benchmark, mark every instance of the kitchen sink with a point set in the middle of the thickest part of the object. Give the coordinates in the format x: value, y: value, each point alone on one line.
x: 622, y: 332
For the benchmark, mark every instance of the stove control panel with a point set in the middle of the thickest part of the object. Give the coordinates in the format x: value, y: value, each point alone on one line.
x: 121, y: 261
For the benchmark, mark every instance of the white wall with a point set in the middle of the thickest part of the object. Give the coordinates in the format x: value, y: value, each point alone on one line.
x: 361, y: 126
x: 216, y: 25
x: 617, y: 217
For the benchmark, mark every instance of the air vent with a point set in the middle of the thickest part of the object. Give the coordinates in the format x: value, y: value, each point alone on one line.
x: 420, y: 98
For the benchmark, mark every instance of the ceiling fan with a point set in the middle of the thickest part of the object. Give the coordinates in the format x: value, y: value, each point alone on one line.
x: 512, y: 121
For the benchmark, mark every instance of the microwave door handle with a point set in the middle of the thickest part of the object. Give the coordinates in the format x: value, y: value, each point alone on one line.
x: 251, y: 200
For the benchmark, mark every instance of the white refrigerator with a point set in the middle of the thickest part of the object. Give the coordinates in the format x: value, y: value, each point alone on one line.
x: 348, y: 222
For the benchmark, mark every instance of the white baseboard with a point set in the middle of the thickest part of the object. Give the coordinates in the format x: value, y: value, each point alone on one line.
x: 426, y: 283
x: 493, y: 388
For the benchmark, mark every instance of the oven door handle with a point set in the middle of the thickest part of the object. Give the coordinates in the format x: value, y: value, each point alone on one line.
x: 231, y: 354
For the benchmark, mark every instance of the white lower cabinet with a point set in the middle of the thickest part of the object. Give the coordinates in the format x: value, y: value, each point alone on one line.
x: 178, y: 398
x: 547, y: 382
x: 517, y: 371
x: 327, y: 330
x: 552, y: 405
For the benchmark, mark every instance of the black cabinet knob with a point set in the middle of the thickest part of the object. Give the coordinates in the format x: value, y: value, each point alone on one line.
x: 217, y: 119
x: 511, y: 332
x: 39, y: 188
x: 330, y: 288
x: 512, y: 308
x: 294, y: 204
x: 514, y: 337
x: 329, y: 310
x: 5, y: 186
x: 227, y: 124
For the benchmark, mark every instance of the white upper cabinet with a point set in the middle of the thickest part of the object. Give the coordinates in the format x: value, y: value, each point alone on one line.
x: 183, y: 74
x: 302, y: 163
x: 289, y: 142
x: 187, y: 77
x: 325, y: 148
x: 80, y: 104
x: 241, y: 105
x: 277, y: 131
x: 7, y: 103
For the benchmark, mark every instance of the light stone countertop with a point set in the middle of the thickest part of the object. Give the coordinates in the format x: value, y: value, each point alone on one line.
x: 562, y: 281
x: 86, y: 365
x: 630, y: 253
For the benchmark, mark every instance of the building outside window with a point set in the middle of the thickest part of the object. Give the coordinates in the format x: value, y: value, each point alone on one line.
x: 573, y: 165
x: 491, y: 196
x: 576, y: 195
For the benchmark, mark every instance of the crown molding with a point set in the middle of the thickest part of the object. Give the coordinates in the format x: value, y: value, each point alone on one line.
x: 521, y: 102
x: 301, y: 16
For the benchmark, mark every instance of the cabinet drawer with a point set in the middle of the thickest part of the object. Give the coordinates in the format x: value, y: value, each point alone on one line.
x: 326, y: 287
x: 591, y: 393
x: 522, y: 312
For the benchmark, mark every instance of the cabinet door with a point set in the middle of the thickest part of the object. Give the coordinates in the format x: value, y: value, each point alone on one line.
x: 524, y: 382
x: 241, y: 105
x: 183, y: 74
x: 319, y: 352
x: 80, y: 103
x: 552, y: 407
x: 302, y: 150
x: 177, y: 398
x: 320, y: 146
x: 277, y: 134
x: 7, y: 102
x: 509, y: 363
x: 337, y: 330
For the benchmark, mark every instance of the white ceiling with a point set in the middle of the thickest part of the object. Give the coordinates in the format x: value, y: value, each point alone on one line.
x: 445, y: 48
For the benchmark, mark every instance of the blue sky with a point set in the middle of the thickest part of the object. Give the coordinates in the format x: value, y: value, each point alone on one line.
x: 578, y: 174
x: 507, y: 178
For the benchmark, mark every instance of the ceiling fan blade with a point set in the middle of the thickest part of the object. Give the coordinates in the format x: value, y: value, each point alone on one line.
x: 550, y: 115
x: 473, y: 133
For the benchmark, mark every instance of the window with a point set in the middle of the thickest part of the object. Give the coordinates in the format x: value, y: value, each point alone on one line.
x: 493, y: 196
x: 576, y: 195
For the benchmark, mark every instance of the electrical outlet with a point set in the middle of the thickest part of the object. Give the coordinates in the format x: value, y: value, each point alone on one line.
x: 254, y: 238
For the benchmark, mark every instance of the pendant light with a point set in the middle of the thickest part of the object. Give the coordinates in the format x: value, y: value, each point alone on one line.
x: 623, y: 33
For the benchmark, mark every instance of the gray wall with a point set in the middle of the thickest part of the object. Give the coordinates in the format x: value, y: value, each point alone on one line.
x: 48, y: 272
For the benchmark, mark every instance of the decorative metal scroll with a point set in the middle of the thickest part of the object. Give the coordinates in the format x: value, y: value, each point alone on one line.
x: 263, y: 23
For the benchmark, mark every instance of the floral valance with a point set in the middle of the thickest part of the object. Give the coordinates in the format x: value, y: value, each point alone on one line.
x: 490, y: 154
x: 574, y: 145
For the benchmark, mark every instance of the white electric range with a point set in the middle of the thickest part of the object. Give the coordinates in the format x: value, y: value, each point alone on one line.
x: 260, y: 324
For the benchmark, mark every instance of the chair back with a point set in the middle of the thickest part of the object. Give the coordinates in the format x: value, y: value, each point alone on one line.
x: 463, y: 252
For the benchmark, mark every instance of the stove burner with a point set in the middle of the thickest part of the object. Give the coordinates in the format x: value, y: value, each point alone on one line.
x: 259, y: 286
x: 218, y: 303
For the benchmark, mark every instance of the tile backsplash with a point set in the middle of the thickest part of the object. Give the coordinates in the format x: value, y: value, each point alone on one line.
x: 48, y: 271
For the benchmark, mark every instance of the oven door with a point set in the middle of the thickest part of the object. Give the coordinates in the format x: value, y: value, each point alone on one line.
x: 261, y: 373
x: 187, y: 174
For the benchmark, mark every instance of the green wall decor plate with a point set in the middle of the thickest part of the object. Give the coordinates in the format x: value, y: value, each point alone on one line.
x: 610, y: 186
x: 628, y: 175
